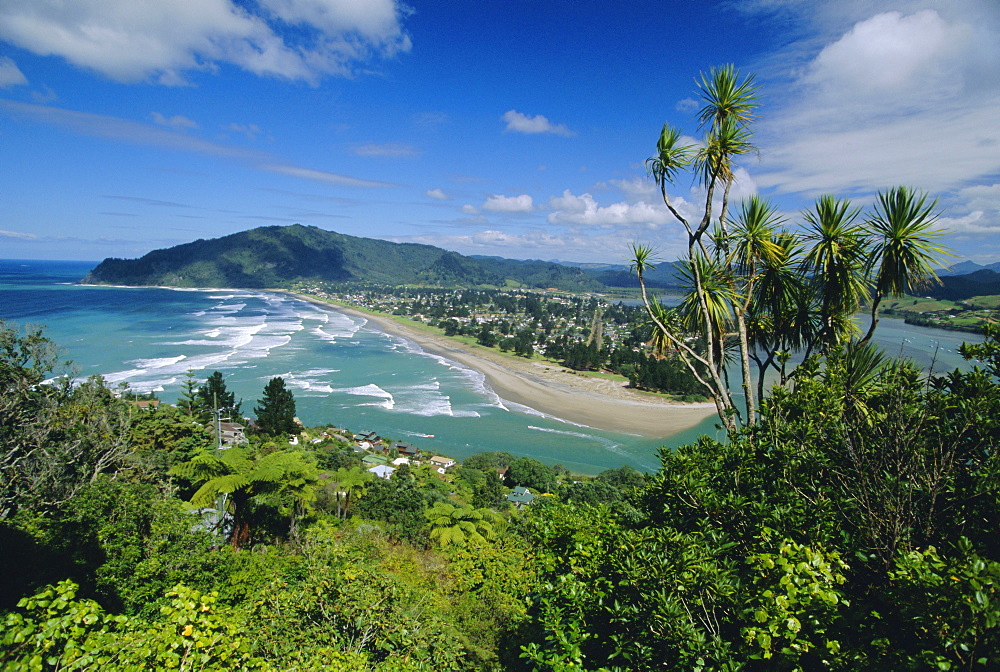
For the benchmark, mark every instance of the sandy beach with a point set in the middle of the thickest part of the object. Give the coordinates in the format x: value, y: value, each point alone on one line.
x: 551, y: 389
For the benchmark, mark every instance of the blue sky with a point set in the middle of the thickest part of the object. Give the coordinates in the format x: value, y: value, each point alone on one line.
x: 508, y: 128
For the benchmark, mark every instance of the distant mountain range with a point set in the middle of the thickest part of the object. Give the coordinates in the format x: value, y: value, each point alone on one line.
x: 279, y: 256
x: 967, y: 267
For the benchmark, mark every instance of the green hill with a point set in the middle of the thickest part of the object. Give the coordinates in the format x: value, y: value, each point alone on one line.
x: 278, y: 256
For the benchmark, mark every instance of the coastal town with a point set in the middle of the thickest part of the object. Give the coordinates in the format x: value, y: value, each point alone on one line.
x: 583, y: 332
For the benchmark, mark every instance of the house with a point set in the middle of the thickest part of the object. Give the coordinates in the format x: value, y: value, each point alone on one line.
x: 502, y: 473
x: 231, y: 433
x: 147, y: 404
x: 406, y: 449
x: 373, y: 459
x: 442, y: 462
x: 520, y: 497
x: 382, y: 471
x: 371, y: 438
x: 401, y: 460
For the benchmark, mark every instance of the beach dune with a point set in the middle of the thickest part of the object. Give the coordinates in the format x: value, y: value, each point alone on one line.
x: 551, y: 389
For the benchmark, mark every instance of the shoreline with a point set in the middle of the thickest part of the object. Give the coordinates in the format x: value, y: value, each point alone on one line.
x: 549, y: 388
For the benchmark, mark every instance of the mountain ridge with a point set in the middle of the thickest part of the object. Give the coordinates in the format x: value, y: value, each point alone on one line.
x: 279, y: 256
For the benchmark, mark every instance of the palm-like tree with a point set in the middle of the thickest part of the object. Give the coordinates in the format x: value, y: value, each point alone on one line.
x: 242, y: 479
x: 903, y: 255
x: 671, y: 157
x: 707, y: 286
x: 754, y: 248
x: 729, y: 104
x: 351, y: 482
x: 835, y: 262
x: 780, y: 317
x: 452, y: 524
x: 727, y: 97
x: 659, y: 342
x: 672, y: 332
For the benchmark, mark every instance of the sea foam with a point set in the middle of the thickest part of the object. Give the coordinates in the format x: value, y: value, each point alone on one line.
x: 371, y: 390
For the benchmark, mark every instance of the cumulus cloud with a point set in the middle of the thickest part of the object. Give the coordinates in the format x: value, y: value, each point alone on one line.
x: 437, y: 194
x: 890, y: 54
x: 541, y: 243
x: 176, y: 122
x: 497, y: 203
x: 135, y: 40
x: 900, y: 97
x: 522, y: 123
x: 10, y: 74
x: 470, y: 209
x: 584, y: 210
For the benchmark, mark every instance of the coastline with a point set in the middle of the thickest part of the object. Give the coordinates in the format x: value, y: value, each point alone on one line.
x: 551, y: 389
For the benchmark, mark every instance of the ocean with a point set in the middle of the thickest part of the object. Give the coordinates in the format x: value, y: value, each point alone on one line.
x: 343, y: 371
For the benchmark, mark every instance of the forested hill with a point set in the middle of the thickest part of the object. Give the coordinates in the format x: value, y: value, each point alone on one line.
x: 277, y: 256
x: 982, y: 282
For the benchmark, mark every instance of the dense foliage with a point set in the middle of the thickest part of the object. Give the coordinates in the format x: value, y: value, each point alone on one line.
x: 853, y: 528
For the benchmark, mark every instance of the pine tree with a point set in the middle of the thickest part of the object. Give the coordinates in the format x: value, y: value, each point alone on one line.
x: 276, y: 413
x: 213, y: 395
x: 190, y: 402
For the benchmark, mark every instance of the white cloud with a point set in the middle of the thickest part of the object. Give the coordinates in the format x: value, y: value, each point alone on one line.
x: 540, y: 243
x: 983, y: 197
x: 982, y: 207
x: 522, y: 123
x: 497, y: 203
x: 975, y: 222
x: 470, y: 209
x: 891, y: 56
x: 901, y: 97
x: 176, y: 122
x: 637, y: 188
x: 135, y: 40
x: 431, y: 120
x: 124, y: 130
x: 392, y: 150
x: 249, y: 130
x: 687, y: 105
x: 17, y: 234
x: 116, y: 128
x: 585, y: 211
x: 378, y: 20
x: 10, y: 74
x: 324, y: 176
x: 44, y: 95
x: 437, y: 194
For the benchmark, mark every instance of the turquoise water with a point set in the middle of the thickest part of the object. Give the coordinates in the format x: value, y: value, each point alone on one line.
x: 342, y: 370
